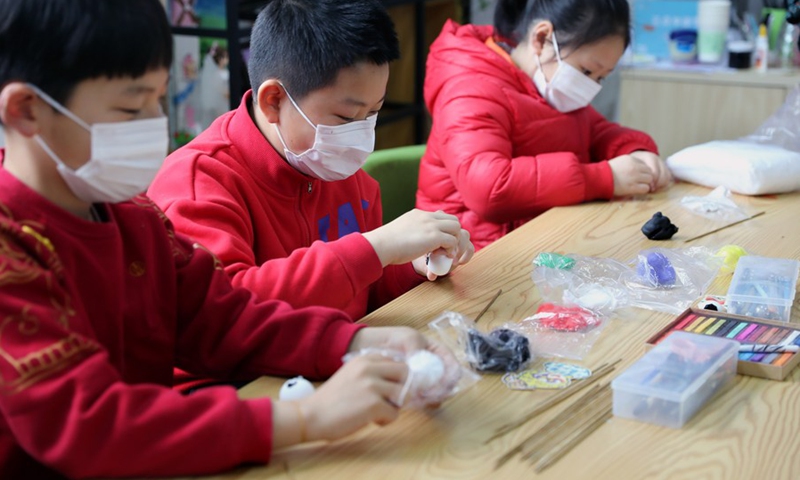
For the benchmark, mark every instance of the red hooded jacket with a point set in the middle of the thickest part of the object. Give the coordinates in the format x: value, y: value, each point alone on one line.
x: 499, y: 154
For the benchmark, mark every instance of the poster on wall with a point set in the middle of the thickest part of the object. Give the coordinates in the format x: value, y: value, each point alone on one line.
x: 199, y: 86
x: 197, y: 13
x: 200, y: 81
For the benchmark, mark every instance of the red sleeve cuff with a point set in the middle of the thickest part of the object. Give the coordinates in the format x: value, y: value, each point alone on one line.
x: 633, y: 142
x: 599, y: 181
x: 359, y: 260
x: 334, y: 343
x: 256, y: 430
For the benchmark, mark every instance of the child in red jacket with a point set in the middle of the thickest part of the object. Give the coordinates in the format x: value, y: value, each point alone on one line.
x: 513, y: 133
x: 275, y: 188
x: 100, y: 298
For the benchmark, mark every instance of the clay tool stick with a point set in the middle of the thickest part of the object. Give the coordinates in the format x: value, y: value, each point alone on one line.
x: 488, y: 305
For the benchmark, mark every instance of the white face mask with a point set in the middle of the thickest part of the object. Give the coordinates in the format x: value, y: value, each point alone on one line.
x: 569, y: 89
x: 125, y: 157
x: 338, y: 151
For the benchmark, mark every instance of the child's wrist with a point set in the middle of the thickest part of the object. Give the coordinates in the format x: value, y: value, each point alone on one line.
x: 300, y: 422
x: 374, y: 239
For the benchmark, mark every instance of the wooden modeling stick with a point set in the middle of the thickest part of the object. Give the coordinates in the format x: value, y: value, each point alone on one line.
x: 548, y: 429
x: 565, y: 448
x: 601, y: 371
x: 571, y: 418
x: 552, y: 429
x: 724, y: 227
x: 488, y: 305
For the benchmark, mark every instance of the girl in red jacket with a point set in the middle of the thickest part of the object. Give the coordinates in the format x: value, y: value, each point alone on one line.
x: 513, y: 133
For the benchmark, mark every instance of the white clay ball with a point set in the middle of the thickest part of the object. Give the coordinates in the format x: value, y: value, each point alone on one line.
x: 439, y: 263
x: 296, y: 388
x: 426, y: 369
x: 595, y: 299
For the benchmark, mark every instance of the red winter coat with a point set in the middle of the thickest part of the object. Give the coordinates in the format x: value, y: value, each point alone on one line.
x: 499, y: 154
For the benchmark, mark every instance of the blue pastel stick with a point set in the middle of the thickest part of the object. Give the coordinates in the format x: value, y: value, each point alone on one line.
x: 737, y: 330
x: 745, y: 357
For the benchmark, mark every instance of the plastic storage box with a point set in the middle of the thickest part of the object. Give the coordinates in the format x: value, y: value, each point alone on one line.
x: 670, y: 383
x: 763, y: 287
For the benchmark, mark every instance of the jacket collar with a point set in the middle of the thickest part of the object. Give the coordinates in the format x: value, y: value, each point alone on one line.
x: 256, y: 153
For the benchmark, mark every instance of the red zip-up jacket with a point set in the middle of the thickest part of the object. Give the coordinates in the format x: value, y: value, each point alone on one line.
x: 499, y: 154
x: 279, y: 233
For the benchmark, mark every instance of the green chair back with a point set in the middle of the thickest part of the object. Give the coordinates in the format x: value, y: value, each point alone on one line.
x: 396, y: 170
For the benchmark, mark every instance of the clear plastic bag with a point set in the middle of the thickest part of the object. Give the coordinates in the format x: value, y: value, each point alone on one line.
x: 768, y: 161
x: 434, y: 375
x: 501, y: 350
x: 562, y: 331
x: 595, y: 284
x: 782, y: 129
x: 717, y: 205
x: 669, y: 280
x: 662, y: 279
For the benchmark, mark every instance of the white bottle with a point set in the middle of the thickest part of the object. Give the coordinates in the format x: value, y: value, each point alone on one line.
x: 762, y: 50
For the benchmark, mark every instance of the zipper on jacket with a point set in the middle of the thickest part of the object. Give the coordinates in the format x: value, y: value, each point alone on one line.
x: 300, y: 209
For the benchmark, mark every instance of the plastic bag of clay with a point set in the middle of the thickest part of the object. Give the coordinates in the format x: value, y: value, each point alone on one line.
x: 669, y: 280
x: 717, y: 205
x: 592, y: 283
x: 782, y: 128
x: 434, y: 375
x: 768, y: 161
x: 562, y: 330
x: 500, y: 350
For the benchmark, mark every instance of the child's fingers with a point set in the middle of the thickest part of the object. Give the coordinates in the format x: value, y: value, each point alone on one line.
x: 447, y: 242
x: 386, y: 413
x: 388, y: 370
x: 645, y: 178
x: 640, y: 188
x: 449, y: 226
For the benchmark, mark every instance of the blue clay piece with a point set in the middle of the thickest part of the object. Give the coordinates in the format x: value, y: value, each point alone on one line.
x: 656, y: 269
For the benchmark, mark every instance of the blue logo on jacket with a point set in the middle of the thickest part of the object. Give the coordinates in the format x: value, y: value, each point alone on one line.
x: 347, y: 221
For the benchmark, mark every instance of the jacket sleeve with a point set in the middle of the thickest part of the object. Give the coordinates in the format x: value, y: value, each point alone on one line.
x: 228, y: 333
x: 213, y: 212
x: 67, y: 406
x: 610, y: 140
x: 396, y: 279
x: 478, y: 153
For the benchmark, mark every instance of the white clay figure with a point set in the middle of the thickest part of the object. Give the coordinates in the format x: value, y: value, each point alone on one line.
x: 439, y: 263
x: 296, y: 388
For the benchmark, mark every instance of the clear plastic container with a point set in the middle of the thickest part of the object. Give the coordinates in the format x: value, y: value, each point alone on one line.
x: 670, y: 383
x: 763, y: 287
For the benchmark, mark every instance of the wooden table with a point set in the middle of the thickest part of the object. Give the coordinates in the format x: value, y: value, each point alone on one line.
x: 747, y: 432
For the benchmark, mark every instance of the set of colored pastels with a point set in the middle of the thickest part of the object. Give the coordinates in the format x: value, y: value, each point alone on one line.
x: 768, y: 349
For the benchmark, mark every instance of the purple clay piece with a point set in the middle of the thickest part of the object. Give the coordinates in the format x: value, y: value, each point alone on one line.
x: 656, y: 268
x: 659, y: 228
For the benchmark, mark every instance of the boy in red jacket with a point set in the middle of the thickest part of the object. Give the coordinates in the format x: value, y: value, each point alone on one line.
x: 100, y: 298
x: 275, y: 188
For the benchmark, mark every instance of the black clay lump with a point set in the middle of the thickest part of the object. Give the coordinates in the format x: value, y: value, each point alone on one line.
x: 502, y: 350
x: 659, y: 228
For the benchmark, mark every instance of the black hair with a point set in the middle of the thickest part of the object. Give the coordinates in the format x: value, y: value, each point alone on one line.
x: 56, y: 44
x: 576, y: 22
x: 305, y: 43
